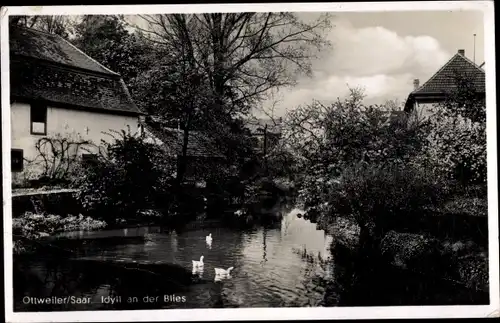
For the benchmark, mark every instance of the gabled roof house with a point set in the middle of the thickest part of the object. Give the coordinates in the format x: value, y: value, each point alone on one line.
x: 200, y: 145
x: 48, y: 68
x: 443, y: 82
x: 56, y: 89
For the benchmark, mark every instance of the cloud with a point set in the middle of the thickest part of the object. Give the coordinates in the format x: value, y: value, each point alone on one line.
x: 376, y: 58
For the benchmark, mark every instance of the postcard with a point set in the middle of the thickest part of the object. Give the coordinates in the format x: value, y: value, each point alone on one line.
x: 224, y: 162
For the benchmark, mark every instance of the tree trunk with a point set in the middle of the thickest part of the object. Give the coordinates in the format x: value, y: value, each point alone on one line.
x: 266, y: 169
x: 182, y: 165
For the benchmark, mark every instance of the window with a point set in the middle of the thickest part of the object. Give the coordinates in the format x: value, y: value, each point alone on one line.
x: 16, y: 160
x: 38, y: 113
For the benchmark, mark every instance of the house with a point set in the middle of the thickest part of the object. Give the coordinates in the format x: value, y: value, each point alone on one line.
x: 57, y: 90
x: 265, y: 133
x: 424, y: 98
x: 202, y: 153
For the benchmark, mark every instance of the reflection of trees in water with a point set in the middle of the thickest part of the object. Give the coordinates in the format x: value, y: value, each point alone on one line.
x: 264, y: 246
x: 217, y: 295
x: 318, y: 274
x: 173, y: 241
x: 63, y: 277
x: 52, y: 277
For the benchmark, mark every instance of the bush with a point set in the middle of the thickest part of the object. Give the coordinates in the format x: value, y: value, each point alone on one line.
x: 410, y: 250
x: 32, y: 226
x: 349, y: 133
x: 457, y: 141
x: 384, y: 197
x: 129, y: 175
x: 457, y: 147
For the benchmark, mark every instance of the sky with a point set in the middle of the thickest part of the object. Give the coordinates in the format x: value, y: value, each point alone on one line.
x: 383, y: 52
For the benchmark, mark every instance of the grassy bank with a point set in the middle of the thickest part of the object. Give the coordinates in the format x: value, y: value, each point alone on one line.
x: 30, y: 229
x: 439, y: 258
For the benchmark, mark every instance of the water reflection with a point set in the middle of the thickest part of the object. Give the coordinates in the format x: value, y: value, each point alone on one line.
x: 280, y: 266
x: 173, y: 241
x: 198, y: 272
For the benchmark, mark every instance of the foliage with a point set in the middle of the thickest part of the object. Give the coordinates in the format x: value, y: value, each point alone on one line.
x: 472, y: 206
x: 327, y: 139
x: 211, y: 69
x: 172, y: 89
x: 106, y: 39
x: 242, y: 55
x: 128, y: 175
x: 384, y: 196
x: 457, y: 149
x: 35, y: 226
x: 59, y: 25
x: 363, y: 163
x: 32, y: 226
x: 408, y: 249
x: 281, y: 163
x: 457, y: 140
x: 465, y: 100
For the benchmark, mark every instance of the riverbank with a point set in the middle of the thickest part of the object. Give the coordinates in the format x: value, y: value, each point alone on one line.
x: 443, y: 255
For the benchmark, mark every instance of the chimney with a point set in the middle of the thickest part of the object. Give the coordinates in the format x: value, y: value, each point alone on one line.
x: 461, y: 52
x: 416, y: 84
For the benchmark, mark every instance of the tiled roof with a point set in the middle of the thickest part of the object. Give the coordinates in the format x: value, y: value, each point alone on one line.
x: 444, y: 80
x: 38, y: 44
x: 199, y: 144
x: 47, y: 67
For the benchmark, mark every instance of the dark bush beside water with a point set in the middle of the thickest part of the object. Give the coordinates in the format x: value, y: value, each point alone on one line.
x: 383, y: 284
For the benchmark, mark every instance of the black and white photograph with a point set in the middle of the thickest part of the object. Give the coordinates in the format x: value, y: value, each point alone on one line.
x: 334, y: 159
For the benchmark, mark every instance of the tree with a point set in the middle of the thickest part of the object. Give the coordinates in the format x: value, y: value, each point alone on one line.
x: 106, y: 39
x: 59, y: 25
x: 240, y: 57
x: 243, y: 55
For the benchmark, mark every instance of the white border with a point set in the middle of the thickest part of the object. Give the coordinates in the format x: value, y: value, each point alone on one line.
x: 262, y: 313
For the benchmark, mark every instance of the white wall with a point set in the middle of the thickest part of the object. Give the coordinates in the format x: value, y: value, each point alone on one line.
x: 425, y: 110
x: 75, y: 124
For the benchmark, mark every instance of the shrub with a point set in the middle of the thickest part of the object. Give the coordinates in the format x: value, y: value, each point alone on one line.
x: 457, y: 147
x: 348, y: 133
x: 128, y: 176
x: 32, y: 226
x: 35, y: 226
x: 457, y: 141
x: 384, y: 197
x: 410, y: 250
x: 328, y: 138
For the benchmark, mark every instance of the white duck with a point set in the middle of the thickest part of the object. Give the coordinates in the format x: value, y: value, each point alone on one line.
x: 198, y: 264
x: 223, y: 273
x: 208, y: 239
